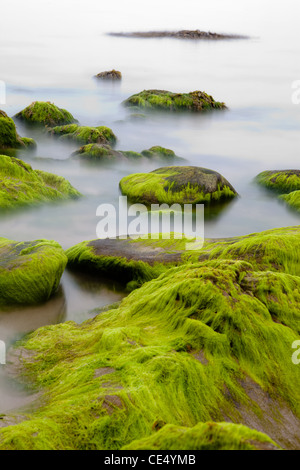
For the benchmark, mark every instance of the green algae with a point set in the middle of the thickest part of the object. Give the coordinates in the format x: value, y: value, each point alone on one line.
x: 104, y: 152
x: 284, y: 182
x: 20, y: 185
x: 205, y: 436
x: 45, y: 113
x: 160, y: 99
x: 9, y: 138
x: 85, y: 134
x: 180, y: 350
x: 177, y: 185
x: 30, y: 272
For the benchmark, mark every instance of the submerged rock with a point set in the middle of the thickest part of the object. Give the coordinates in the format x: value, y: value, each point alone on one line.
x: 109, y: 75
x: 198, y: 101
x: 21, y: 185
x: 183, y: 34
x: 205, y: 342
x: 177, y: 184
x: 103, y: 152
x: 9, y: 138
x: 285, y: 182
x: 30, y: 272
x: 85, y: 134
x: 45, y: 113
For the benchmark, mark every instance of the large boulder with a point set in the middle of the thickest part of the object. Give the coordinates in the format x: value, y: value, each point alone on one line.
x: 9, y: 138
x: 177, y: 184
x: 30, y: 272
x: 45, y: 113
x: 166, y: 100
x: 21, y: 185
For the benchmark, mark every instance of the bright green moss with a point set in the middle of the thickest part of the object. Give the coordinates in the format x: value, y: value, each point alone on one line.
x: 9, y: 138
x: 177, y: 185
x: 283, y: 181
x: 21, y: 185
x: 30, y: 272
x: 203, y: 341
x: 292, y: 199
x: 104, y: 152
x: 29, y: 143
x: 178, y: 351
x: 166, y: 100
x: 85, y: 134
x: 205, y: 436
x: 45, y: 113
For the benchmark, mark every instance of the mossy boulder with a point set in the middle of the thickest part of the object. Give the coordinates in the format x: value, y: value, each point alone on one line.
x: 205, y: 342
x: 21, y: 185
x: 85, y: 134
x: 160, y: 99
x: 284, y: 182
x: 109, y: 75
x: 30, y: 272
x: 9, y: 138
x: 104, y: 152
x: 136, y: 261
x: 132, y: 262
x: 46, y: 114
x: 177, y: 184
x: 205, y: 436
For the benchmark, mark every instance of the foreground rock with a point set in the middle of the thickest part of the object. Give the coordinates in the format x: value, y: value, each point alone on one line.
x: 284, y: 182
x: 165, y: 100
x: 205, y: 342
x: 30, y: 272
x: 9, y: 138
x: 20, y: 185
x: 45, y: 113
x: 111, y: 75
x: 104, y: 153
x: 183, y: 34
x: 177, y: 184
x: 85, y: 134
x: 205, y: 436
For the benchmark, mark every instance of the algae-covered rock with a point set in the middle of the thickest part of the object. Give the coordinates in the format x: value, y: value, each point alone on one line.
x: 130, y: 261
x: 109, y: 75
x: 136, y: 261
x: 21, y: 185
x: 205, y: 436
x: 45, y: 113
x: 160, y: 99
x: 177, y: 184
x: 205, y: 342
x: 9, y: 138
x: 85, y: 134
x: 104, y: 152
x: 284, y: 182
x: 30, y: 272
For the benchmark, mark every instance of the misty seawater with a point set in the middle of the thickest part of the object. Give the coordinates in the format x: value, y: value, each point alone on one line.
x: 52, y: 54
